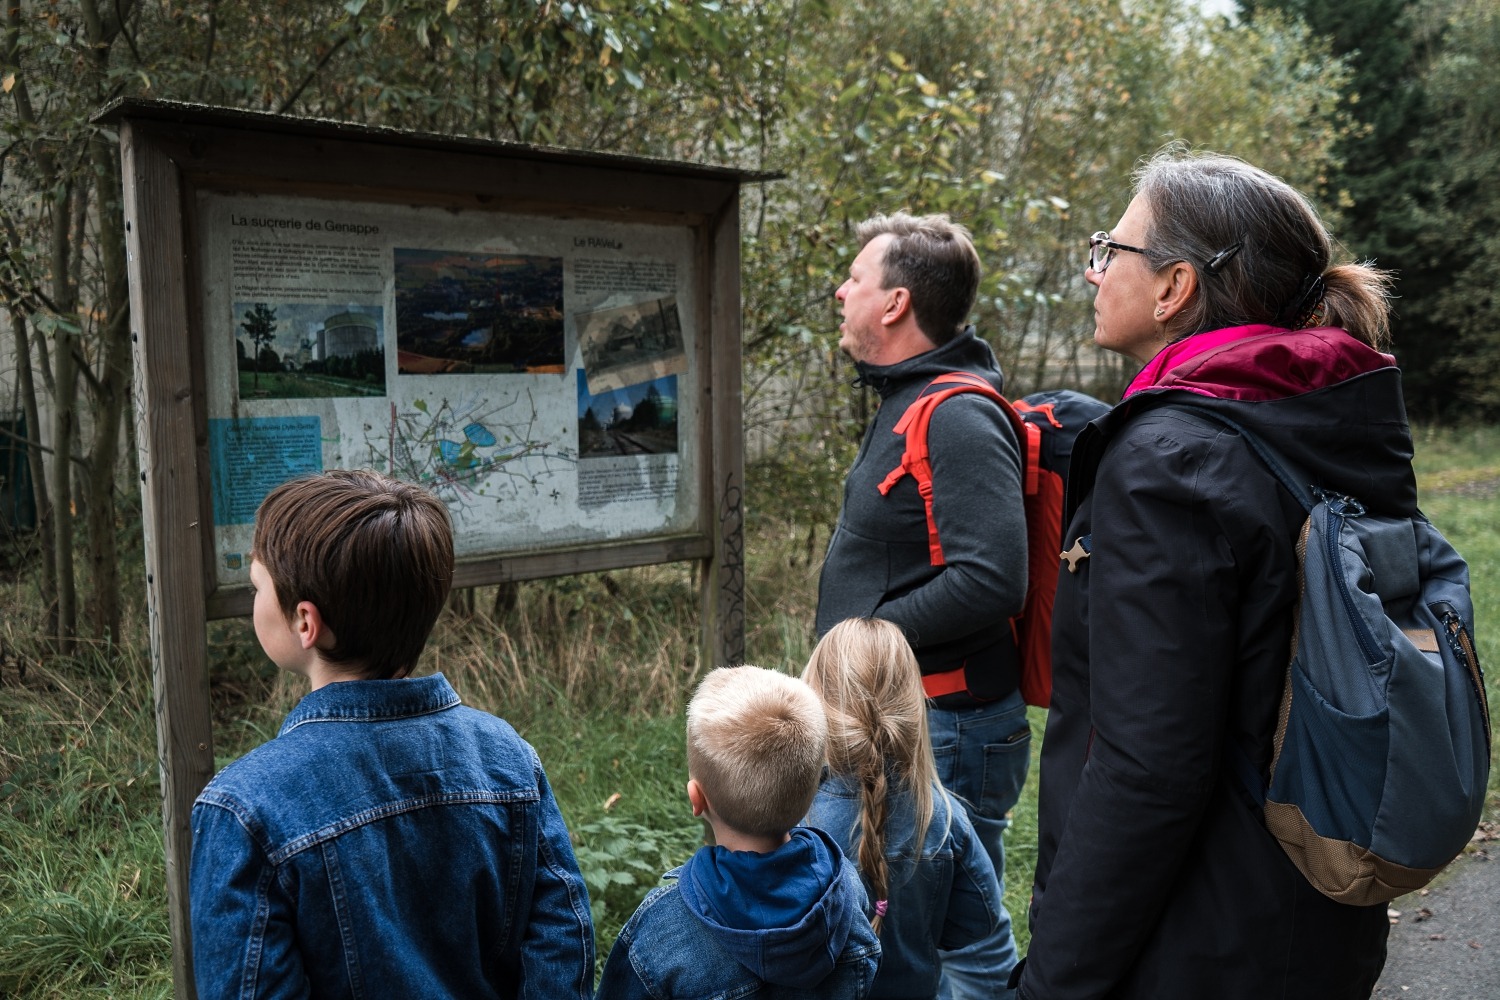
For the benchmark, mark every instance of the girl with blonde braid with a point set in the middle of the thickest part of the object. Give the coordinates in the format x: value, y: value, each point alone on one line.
x: 930, y: 882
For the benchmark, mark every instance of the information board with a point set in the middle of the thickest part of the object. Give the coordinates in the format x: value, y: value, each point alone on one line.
x: 539, y: 375
x: 547, y: 339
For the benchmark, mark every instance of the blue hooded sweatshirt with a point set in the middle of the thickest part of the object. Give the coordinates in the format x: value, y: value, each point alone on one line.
x: 791, y: 920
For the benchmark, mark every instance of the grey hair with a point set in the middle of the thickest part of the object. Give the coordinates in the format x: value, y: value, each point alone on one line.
x: 1202, y: 205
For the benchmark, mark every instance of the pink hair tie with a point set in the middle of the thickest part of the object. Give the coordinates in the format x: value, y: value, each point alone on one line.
x: 881, y: 905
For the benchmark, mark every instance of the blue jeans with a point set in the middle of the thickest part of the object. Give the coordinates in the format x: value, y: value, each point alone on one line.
x: 982, y: 756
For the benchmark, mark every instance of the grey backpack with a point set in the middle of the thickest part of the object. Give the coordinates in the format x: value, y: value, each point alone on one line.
x: 1382, y: 746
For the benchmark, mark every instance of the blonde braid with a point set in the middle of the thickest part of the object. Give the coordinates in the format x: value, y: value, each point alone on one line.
x: 871, y: 687
x: 874, y: 807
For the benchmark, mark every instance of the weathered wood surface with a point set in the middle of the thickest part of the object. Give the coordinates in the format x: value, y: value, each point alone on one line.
x: 172, y: 516
x: 232, y: 602
x: 724, y: 584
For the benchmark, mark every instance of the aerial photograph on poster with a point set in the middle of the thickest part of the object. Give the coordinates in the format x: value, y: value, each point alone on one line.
x: 631, y: 344
x: 467, y: 313
x: 635, y: 420
x: 293, y: 350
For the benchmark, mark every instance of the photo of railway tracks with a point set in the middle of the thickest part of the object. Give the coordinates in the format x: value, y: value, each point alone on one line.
x: 635, y: 420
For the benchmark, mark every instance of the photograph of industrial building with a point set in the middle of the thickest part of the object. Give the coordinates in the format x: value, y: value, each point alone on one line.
x: 631, y: 344
x: 292, y: 350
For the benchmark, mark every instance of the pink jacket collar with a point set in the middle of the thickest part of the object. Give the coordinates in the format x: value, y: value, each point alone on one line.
x: 1259, y: 362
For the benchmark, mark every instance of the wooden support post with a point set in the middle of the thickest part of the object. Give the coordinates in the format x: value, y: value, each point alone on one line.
x: 723, y: 582
x: 171, y: 512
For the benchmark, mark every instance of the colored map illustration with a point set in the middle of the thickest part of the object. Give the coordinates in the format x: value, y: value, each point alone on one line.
x: 470, y: 450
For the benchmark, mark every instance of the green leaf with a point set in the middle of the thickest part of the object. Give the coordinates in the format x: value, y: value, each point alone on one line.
x: 850, y: 92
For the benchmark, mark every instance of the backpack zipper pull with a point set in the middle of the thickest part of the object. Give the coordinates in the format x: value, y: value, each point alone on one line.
x: 1340, y: 504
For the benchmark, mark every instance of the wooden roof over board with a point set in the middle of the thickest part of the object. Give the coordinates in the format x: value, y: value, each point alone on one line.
x: 183, y: 113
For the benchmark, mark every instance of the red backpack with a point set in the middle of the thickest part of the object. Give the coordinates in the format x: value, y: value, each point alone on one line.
x: 1046, y: 424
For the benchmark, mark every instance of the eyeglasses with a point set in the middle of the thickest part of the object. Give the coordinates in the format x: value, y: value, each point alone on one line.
x: 1102, y: 251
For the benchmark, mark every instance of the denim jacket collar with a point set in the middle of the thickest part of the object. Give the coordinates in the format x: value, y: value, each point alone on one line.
x: 368, y: 701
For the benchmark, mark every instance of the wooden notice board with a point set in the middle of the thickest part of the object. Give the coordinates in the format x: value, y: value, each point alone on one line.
x: 549, y: 340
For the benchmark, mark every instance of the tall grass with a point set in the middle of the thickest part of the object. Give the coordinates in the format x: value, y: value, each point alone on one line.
x: 82, y: 896
x: 594, y: 671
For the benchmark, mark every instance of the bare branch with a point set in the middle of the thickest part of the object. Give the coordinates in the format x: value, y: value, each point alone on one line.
x: 208, y: 46
x: 344, y: 39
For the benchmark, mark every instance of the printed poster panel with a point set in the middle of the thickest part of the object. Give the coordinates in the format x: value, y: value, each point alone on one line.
x: 536, y: 374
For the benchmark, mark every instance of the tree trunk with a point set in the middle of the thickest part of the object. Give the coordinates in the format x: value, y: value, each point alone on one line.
x: 112, y: 392
x: 29, y: 409
x: 64, y: 402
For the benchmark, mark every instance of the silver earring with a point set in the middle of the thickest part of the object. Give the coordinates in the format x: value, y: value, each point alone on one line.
x: 1159, y: 313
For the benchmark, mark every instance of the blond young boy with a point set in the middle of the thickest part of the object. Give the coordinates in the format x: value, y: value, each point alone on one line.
x: 389, y: 841
x: 771, y: 910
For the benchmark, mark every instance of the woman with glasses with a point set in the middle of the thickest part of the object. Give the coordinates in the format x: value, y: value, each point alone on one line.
x: 1156, y: 877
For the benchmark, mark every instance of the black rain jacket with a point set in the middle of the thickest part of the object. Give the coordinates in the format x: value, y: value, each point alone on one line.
x: 1155, y: 875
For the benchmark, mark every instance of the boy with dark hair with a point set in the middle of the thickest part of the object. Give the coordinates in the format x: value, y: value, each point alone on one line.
x: 389, y: 841
x: 772, y: 910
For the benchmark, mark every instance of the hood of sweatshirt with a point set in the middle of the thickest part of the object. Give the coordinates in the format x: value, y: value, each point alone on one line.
x: 782, y: 915
x: 1329, y: 403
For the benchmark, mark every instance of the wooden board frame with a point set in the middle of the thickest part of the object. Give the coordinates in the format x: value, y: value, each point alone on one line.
x: 169, y: 153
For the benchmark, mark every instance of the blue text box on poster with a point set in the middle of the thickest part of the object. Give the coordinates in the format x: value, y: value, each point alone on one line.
x: 251, y: 456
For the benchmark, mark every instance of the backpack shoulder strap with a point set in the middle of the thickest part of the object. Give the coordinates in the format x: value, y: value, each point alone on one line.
x: 1293, y: 482
x: 916, y: 458
x: 1290, y: 477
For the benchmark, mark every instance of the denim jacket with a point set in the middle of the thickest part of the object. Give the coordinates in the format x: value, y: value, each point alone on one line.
x: 945, y: 897
x: 789, y: 925
x: 389, y: 842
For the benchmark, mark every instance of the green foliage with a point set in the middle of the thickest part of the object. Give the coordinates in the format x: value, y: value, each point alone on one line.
x: 1379, y: 176
x: 1460, y: 225
x: 1023, y: 123
x: 1414, y: 185
x: 622, y: 861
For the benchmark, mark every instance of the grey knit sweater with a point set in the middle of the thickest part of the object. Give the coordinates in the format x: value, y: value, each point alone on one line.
x: 878, y: 563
